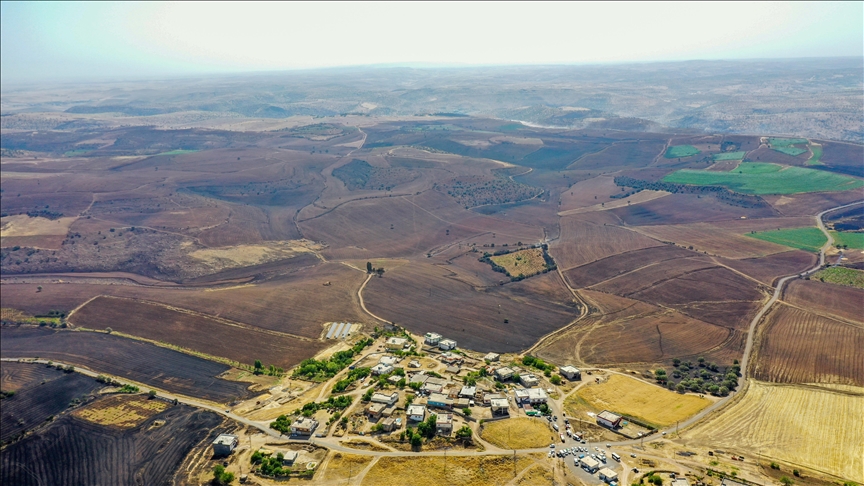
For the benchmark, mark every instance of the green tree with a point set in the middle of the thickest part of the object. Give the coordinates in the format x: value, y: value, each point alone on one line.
x: 464, y: 432
x: 555, y: 380
x: 466, y: 411
x: 786, y: 481
x: 221, y: 477
x: 151, y: 394
x: 368, y: 267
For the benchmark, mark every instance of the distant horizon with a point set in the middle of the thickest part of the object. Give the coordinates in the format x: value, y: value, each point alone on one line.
x: 53, y: 41
x: 397, y: 65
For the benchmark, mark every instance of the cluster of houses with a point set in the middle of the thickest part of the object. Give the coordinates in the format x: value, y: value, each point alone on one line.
x: 435, y: 339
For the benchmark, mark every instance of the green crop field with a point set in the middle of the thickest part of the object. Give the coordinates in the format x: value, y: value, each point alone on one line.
x: 808, y: 239
x: 793, y: 151
x: 729, y: 156
x: 763, y: 178
x: 677, y: 151
x: 851, y: 240
x: 815, y: 159
x: 841, y: 276
x: 785, y: 142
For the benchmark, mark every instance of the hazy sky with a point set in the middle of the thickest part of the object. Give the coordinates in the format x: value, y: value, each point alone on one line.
x: 56, y: 41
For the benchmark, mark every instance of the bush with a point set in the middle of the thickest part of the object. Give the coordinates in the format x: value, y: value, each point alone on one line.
x: 222, y: 477
x: 282, y: 424
x: 555, y: 380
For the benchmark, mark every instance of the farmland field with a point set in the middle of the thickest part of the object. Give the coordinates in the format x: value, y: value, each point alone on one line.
x: 808, y: 239
x: 517, y: 433
x: 785, y: 142
x: 35, y: 402
x: 428, y: 471
x: 524, y: 263
x: 634, y: 398
x: 849, y: 277
x: 790, y: 150
x: 835, y: 301
x: 121, y: 411
x: 728, y: 156
x: 677, y: 151
x: 851, y: 240
x: 74, y: 451
x: 806, y: 426
x: 802, y: 347
x: 125, y: 358
x: 200, y: 333
x: 816, y: 158
x: 762, y: 178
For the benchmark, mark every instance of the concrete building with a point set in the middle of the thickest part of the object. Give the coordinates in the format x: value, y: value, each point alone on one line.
x: 589, y: 464
x: 609, y: 475
x: 289, y: 457
x: 391, y: 424
x: 439, y: 400
x: 389, y: 360
x: 431, y: 387
x: 446, y: 344
x: 382, y: 369
x: 609, y: 419
x: 468, y: 392
x: 500, y: 406
x: 394, y: 379
x: 570, y: 372
x: 375, y: 410
x: 305, y: 426
x: 453, y: 370
x: 529, y: 380
x: 416, y: 413
x: 384, y: 398
x: 461, y: 403
x: 395, y: 343
x: 444, y: 424
x: 531, y: 396
x: 504, y: 374
x: 225, y: 444
x: 432, y: 338
x: 414, y: 364
x: 492, y: 357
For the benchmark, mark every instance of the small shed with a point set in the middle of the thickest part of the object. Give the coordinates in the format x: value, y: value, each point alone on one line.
x: 492, y: 357
x: 288, y: 457
x: 589, y: 464
x: 608, y: 475
x: 446, y: 344
x: 570, y: 372
x: 609, y: 419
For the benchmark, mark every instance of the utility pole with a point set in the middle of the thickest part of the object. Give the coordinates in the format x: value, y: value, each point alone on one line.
x: 514, y: 463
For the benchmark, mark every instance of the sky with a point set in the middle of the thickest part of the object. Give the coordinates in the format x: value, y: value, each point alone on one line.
x: 48, y: 41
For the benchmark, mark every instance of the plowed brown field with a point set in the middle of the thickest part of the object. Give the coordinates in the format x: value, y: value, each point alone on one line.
x: 844, y: 303
x: 584, y: 242
x: 802, y: 347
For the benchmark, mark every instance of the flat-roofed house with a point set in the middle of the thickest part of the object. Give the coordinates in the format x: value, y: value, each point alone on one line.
x: 570, y: 372
x: 609, y: 419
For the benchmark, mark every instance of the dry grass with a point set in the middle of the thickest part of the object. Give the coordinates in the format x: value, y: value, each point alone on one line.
x: 244, y: 255
x: 517, y: 433
x: 124, y: 412
x: 807, y: 426
x: 526, y: 262
x: 344, y: 467
x: 23, y: 225
x: 536, y: 475
x: 429, y: 471
x: 639, y: 197
x: 635, y: 398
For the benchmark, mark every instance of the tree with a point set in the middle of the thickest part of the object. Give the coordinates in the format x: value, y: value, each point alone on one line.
x: 39, y: 288
x: 555, y: 380
x: 220, y: 476
x: 369, y: 267
x: 416, y: 440
x: 466, y: 411
x: 258, y: 365
x: 786, y: 481
x: 151, y: 394
x: 464, y: 432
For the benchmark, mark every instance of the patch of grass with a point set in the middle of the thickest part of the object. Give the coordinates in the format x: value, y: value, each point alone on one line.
x: 178, y: 152
x: 849, y: 277
x: 854, y: 241
x: 676, y: 151
x: 765, y: 178
x: 793, y: 151
x: 517, y: 433
x: 430, y: 471
x: 635, y: 398
x: 808, y: 239
x: 523, y: 262
x: 816, y: 158
x: 785, y: 142
x: 729, y: 156
x: 124, y: 412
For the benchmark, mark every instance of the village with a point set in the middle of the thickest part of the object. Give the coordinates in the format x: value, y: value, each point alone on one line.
x: 416, y: 395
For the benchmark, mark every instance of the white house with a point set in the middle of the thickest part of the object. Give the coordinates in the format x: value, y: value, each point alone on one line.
x: 389, y: 360
x: 447, y: 344
x: 225, y: 444
x: 570, y: 372
x: 531, y: 395
x: 382, y: 369
x: 444, y: 424
x: 468, y: 391
x: 384, y: 398
x: 589, y: 463
x: 432, y: 338
x: 500, y: 406
x: 395, y: 343
x: 304, y: 426
x: 608, y: 475
x: 609, y: 419
x: 492, y: 357
x: 416, y: 413
x: 529, y: 380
